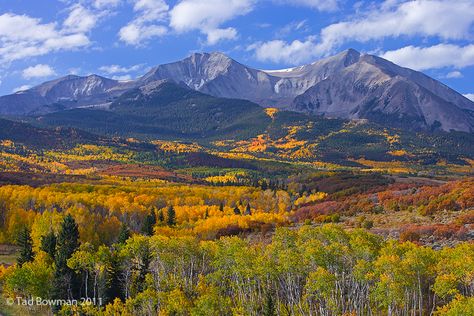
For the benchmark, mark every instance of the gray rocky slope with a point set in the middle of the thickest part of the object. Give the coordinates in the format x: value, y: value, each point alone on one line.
x: 348, y: 85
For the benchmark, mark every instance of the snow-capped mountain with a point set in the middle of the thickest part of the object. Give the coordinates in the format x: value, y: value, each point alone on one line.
x: 347, y: 85
x: 63, y: 93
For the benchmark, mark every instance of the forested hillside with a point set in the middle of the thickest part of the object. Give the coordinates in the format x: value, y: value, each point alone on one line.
x: 143, y: 247
x: 307, y: 216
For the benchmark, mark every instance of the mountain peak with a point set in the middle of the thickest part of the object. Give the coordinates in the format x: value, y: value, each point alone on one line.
x: 210, y: 55
x: 351, y: 51
x: 346, y: 85
x: 349, y: 56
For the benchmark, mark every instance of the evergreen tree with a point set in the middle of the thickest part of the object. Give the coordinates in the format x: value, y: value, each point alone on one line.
x: 48, y: 244
x: 66, y: 283
x: 124, y: 234
x: 221, y: 207
x: 144, y: 266
x: 206, y: 214
x: 161, y: 217
x: 114, y: 285
x: 25, y: 243
x: 171, y: 216
x: 236, y: 210
x: 269, y: 307
x: 149, y: 223
x: 248, y: 211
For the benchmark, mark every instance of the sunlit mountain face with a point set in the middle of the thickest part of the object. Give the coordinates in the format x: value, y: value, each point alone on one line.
x: 349, y: 85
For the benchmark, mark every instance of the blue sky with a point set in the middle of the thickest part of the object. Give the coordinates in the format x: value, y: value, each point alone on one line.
x: 42, y: 40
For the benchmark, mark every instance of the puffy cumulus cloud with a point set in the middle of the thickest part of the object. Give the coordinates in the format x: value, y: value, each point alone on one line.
x: 38, y: 71
x: 207, y: 16
x: 22, y: 36
x: 293, y: 53
x: 433, y: 57
x: 321, y: 5
x: 117, y: 69
x: 470, y: 96
x: 147, y: 23
x: 137, y: 34
x: 80, y: 19
x: 216, y: 35
x: 454, y: 74
x: 150, y: 10
x: 390, y: 19
x: 440, y: 18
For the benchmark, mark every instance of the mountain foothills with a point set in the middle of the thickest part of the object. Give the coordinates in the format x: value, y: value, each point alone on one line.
x: 349, y: 85
x: 205, y: 187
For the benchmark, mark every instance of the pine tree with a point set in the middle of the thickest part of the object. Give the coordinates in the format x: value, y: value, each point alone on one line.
x: 171, y: 216
x: 161, y: 217
x: 66, y: 283
x: 143, y: 269
x: 248, y: 211
x: 236, y: 210
x: 221, y: 207
x: 269, y: 308
x: 124, y: 234
x: 114, y: 286
x: 149, y: 223
x: 48, y: 244
x: 206, y: 214
x: 25, y: 243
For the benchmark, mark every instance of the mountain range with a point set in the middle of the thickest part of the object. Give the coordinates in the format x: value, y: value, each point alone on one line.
x: 349, y: 85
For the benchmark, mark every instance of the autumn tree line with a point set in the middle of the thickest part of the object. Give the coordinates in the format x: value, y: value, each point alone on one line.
x: 100, y: 210
x: 307, y: 271
x: 156, y: 248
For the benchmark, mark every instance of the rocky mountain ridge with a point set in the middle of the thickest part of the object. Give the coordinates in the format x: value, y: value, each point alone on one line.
x: 349, y: 85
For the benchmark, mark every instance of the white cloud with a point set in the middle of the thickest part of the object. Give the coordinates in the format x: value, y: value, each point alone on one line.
x: 433, y: 57
x: 80, y: 19
x: 146, y: 24
x: 21, y: 88
x: 292, y: 53
x: 135, y: 34
x: 207, y: 16
x: 22, y: 36
x: 321, y: 5
x: 217, y: 35
x: 103, y: 4
x: 38, y: 71
x: 470, y: 96
x: 122, y: 77
x: 391, y: 19
x: 440, y: 18
x: 117, y: 69
x: 454, y: 74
